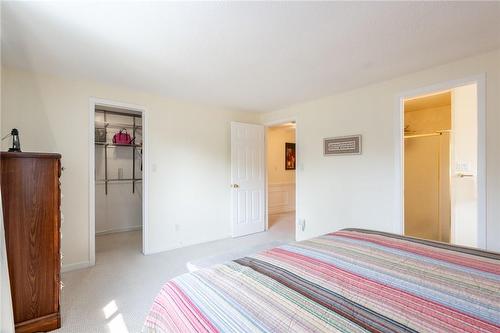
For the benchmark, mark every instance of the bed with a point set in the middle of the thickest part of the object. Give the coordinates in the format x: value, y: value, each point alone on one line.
x: 352, y: 280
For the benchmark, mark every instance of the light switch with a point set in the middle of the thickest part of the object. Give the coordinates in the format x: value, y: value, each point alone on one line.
x: 462, y: 167
x: 302, y: 224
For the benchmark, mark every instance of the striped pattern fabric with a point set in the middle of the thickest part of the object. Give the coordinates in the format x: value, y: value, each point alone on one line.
x: 352, y: 280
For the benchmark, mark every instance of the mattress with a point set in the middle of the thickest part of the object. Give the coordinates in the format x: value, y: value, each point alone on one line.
x: 352, y: 280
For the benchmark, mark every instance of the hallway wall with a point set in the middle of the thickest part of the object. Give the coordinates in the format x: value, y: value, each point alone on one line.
x: 280, y: 182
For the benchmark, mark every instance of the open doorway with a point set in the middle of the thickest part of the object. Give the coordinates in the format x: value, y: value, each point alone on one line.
x: 440, y: 165
x: 281, y: 186
x: 117, y: 220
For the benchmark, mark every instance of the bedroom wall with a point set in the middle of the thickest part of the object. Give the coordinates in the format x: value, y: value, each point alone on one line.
x: 6, y: 315
x: 189, y: 157
x: 360, y: 191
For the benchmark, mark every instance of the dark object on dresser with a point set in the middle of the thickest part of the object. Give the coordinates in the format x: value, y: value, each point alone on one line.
x: 31, y: 199
x: 16, y: 143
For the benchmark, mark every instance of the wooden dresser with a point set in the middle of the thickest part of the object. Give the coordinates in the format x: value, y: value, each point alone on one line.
x: 31, y: 199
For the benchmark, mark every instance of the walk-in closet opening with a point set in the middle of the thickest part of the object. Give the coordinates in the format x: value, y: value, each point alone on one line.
x: 118, y: 180
x: 441, y: 166
x: 427, y: 167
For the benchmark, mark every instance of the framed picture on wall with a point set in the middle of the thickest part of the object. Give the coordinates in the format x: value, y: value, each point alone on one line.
x: 290, y: 156
x: 342, y: 145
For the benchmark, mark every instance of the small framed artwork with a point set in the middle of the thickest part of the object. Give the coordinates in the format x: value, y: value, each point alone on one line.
x: 342, y: 145
x: 290, y: 156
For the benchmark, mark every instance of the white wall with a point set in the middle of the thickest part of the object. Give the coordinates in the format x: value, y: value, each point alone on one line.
x: 189, y: 194
x: 280, y: 182
x: 464, y: 156
x: 6, y: 315
x: 361, y: 191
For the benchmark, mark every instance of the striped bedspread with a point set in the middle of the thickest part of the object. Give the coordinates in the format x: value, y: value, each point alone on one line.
x: 352, y: 280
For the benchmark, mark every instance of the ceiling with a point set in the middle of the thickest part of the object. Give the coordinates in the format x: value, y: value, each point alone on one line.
x: 255, y: 56
x: 429, y: 101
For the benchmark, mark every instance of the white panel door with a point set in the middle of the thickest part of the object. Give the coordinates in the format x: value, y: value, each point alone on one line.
x: 247, y: 179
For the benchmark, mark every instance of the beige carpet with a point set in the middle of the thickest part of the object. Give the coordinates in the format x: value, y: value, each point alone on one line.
x: 222, y: 258
x: 115, y: 295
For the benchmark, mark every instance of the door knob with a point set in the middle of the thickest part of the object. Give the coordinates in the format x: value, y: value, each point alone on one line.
x: 235, y: 185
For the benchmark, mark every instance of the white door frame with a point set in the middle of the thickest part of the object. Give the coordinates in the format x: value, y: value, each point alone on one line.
x: 480, y: 81
x: 297, y: 148
x: 145, y: 170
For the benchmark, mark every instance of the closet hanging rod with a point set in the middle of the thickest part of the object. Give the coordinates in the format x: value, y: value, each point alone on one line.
x: 113, y: 145
x: 103, y: 124
x: 411, y: 136
x: 118, y: 113
x: 119, y: 180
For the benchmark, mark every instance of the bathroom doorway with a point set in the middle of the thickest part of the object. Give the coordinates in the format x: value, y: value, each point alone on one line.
x: 281, y: 162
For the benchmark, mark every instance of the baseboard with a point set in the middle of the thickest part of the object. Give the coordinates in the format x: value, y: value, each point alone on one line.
x: 75, y: 266
x: 112, y: 231
x: 41, y: 324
